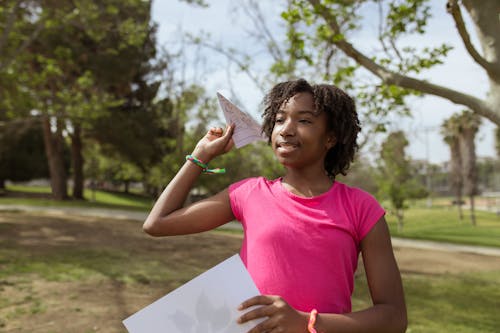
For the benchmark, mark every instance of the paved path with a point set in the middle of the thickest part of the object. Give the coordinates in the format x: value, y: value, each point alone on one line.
x: 141, y: 216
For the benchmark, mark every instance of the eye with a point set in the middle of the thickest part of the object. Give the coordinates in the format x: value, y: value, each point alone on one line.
x: 305, y: 121
x: 279, y: 120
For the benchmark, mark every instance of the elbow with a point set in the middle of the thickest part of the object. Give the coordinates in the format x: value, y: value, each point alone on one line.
x: 402, y: 323
x: 149, y: 227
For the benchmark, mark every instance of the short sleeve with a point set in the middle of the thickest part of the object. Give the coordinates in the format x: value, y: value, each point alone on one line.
x: 369, y: 212
x: 238, y: 193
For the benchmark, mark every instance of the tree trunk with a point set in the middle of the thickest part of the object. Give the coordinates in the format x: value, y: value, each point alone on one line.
x: 468, y: 151
x: 399, y: 213
x: 456, y: 174
x: 472, y: 211
x: 459, y: 205
x: 77, y: 162
x: 54, y: 143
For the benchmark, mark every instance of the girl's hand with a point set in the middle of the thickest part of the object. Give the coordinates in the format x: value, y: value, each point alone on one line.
x: 281, y: 316
x: 214, y: 143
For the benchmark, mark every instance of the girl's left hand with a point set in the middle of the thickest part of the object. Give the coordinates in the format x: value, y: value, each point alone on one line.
x: 281, y: 316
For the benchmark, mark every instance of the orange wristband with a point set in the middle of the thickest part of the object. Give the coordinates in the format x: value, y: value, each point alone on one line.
x: 312, y: 321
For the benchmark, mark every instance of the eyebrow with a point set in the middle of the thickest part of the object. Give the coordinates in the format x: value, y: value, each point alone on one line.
x: 300, y: 112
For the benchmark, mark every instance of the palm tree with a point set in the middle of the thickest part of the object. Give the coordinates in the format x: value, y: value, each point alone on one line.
x: 450, y: 132
x: 469, y: 126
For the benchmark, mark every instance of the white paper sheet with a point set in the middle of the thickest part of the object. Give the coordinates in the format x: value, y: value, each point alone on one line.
x: 206, y: 304
x: 246, y: 129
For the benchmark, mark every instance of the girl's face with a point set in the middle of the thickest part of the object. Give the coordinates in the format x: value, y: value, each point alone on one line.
x: 300, y: 138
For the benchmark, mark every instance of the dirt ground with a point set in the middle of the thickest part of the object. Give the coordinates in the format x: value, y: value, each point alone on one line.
x: 36, y: 301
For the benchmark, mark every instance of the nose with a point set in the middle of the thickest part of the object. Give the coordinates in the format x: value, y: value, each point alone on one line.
x: 287, y: 128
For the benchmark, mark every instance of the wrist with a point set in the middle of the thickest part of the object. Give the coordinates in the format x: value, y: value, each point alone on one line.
x: 202, y: 155
x: 204, y: 166
x: 312, y: 322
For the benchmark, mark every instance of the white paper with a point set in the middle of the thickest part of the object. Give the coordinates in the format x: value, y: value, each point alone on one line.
x: 246, y: 129
x: 206, y: 304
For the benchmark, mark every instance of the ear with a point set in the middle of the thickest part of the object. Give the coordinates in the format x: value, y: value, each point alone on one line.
x: 331, y: 141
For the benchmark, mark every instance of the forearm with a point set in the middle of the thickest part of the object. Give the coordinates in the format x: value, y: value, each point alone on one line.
x: 168, y: 217
x: 384, y: 318
x: 174, y: 195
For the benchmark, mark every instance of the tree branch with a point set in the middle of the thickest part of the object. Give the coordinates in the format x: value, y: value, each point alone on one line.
x: 230, y: 56
x: 40, y: 25
x: 390, y: 77
x: 253, y: 11
x: 453, y: 8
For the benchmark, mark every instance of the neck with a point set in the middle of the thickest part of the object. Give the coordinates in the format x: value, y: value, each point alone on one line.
x: 307, y: 184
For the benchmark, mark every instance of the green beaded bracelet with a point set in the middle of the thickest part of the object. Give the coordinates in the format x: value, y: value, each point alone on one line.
x: 204, y: 166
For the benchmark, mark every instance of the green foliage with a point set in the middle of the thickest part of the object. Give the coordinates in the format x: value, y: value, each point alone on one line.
x: 395, y: 180
x: 107, y: 166
x: 407, y: 17
x: 314, y: 32
x: 22, y: 154
x: 250, y: 161
x: 199, y: 3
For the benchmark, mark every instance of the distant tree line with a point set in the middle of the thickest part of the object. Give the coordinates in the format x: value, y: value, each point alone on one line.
x: 86, y: 94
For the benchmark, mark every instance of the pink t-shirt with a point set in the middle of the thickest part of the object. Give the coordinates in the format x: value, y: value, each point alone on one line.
x: 303, y: 249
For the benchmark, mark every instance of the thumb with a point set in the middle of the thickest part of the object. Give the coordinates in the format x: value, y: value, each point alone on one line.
x: 228, y: 137
x: 229, y: 133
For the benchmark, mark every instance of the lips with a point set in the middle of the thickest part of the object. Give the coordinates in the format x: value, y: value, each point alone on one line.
x: 286, y: 146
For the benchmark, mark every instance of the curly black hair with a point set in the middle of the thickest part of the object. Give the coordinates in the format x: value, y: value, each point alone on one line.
x: 339, y: 108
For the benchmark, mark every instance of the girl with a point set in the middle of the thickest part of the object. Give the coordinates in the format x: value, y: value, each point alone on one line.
x: 302, y: 232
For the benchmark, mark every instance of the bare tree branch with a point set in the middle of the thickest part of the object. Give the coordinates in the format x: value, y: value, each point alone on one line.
x: 253, y: 10
x: 390, y: 77
x: 229, y: 55
x: 453, y: 8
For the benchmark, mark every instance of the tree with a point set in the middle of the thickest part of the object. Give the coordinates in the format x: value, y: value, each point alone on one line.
x: 459, y: 133
x: 323, y: 26
x: 450, y: 129
x: 497, y: 141
x: 82, y: 63
x: 18, y: 33
x: 395, y: 178
x: 22, y: 155
x: 469, y: 126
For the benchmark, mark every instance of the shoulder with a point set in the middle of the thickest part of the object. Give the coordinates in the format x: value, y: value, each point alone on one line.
x: 246, y: 193
x: 249, y: 184
x: 353, y: 193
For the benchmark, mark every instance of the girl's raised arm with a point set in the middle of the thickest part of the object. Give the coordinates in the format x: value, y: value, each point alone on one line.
x: 169, y: 217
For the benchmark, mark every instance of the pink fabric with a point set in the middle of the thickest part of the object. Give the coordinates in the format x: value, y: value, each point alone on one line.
x: 303, y: 249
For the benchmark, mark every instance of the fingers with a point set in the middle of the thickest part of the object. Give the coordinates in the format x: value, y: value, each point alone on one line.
x: 219, y: 132
x: 216, y: 131
x: 266, y: 326
x: 260, y: 312
x: 257, y: 300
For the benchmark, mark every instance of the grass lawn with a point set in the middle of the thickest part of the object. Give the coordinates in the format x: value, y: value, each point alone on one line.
x: 447, y: 303
x: 81, y: 274
x: 97, y: 199
x: 439, y: 223
x: 443, y: 224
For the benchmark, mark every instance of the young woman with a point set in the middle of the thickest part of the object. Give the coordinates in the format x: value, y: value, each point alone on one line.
x: 303, y: 232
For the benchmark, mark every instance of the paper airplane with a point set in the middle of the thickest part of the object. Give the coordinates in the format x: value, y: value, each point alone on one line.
x: 246, y: 129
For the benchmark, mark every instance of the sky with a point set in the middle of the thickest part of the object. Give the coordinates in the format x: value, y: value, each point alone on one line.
x: 227, y: 26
